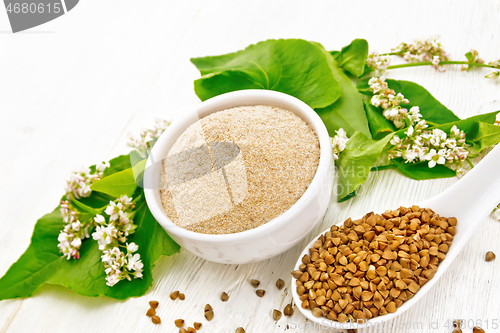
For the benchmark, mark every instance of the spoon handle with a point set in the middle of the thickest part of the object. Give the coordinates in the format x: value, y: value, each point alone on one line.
x: 474, y: 196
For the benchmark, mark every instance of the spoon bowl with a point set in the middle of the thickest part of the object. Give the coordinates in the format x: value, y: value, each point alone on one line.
x: 470, y: 200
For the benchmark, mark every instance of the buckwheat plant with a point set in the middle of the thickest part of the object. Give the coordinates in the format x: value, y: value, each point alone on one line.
x: 429, y: 52
x: 70, y: 238
x: 143, y: 141
x: 389, y: 101
x: 78, y: 183
x: 119, y: 257
x: 339, y: 142
x: 434, y: 146
x: 378, y: 63
x: 422, y: 50
x: 419, y: 144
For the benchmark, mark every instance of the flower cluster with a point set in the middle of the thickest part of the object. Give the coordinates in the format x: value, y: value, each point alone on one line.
x: 423, y: 50
x: 70, y: 238
x: 78, y: 183
x: 494, y: 75
x: 419, y: 144
x: 143, y: 141
x: 377, y: 62
x: 339, y: 142
x: 434, y: 146
x: 391, y: 102
x: 111, y: 234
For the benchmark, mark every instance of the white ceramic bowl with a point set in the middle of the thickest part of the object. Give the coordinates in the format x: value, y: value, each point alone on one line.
x: 272, y: 238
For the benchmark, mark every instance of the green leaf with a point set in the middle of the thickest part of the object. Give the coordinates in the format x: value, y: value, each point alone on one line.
x: 99, y: 199
x: 482, y: 136
x: 138, y: 171
x: 94, y: 203
x: 430, y: 108
x: 466, y: 125
x: 38, y: 263
x: 153, y: 242
x: 379, y: 125
x: 116, y: 185
x: 118, y: 164
x: 353, y: 57
x: 292, y: 66
x: 347, y: 112
x: 42, y: 262
x: 335, y: 54
x: 355, y: 162
x: 469, y: 56
x: 421, y: 170
x: 347, y: 197
x: 363, y: 87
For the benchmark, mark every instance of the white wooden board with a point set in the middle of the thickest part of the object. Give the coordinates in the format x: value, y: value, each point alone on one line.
x: 71, y: 89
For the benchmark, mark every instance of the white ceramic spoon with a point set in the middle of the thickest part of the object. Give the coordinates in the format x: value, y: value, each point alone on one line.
x: 470, y: 200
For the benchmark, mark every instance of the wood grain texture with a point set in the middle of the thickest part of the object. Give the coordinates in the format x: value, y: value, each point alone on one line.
x: 71, y: 89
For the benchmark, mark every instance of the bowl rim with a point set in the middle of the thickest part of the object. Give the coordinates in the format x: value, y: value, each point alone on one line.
x: 210, y: 106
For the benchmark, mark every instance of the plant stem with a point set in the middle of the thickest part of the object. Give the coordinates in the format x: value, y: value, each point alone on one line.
x: 470, y: 163
x: 383, y: 167
x: 390, y: 54
x: 429, y: 63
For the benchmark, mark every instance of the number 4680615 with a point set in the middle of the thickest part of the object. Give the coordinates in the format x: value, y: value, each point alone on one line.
x: 33, y: 8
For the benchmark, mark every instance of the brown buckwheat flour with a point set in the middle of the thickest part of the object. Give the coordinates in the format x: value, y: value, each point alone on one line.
x: 239, y: 168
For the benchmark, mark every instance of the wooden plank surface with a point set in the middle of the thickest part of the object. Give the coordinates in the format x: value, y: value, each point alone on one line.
x: 71, y: 89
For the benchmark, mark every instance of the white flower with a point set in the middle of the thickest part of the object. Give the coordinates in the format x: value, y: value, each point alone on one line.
x: 124, y: 200
x: 113, y: 210
x: 395, y: 140
x: 99, y: 219
x: 77, y: 242
x: 451, y: 143
x: 430, y: 157
x: 377, y: 63
x: 134, y: 262
x: 410, y: 155
x: 98, y: 233
x: 339, y: 142
x: 123, y: 217
x: 62, y: 236
x: 70, y: 237
x: 78, y: 183
x: 375, y: 100
x: 419, y: 144
x: 132, y: 247
x: 143, y: 141
x: 423, y: 50
x: 399, y: 123
x: 436, y: 61
x: 113, y: 279
x: 115, y: 251
x: 111, y: 236
x: 100, y: 167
